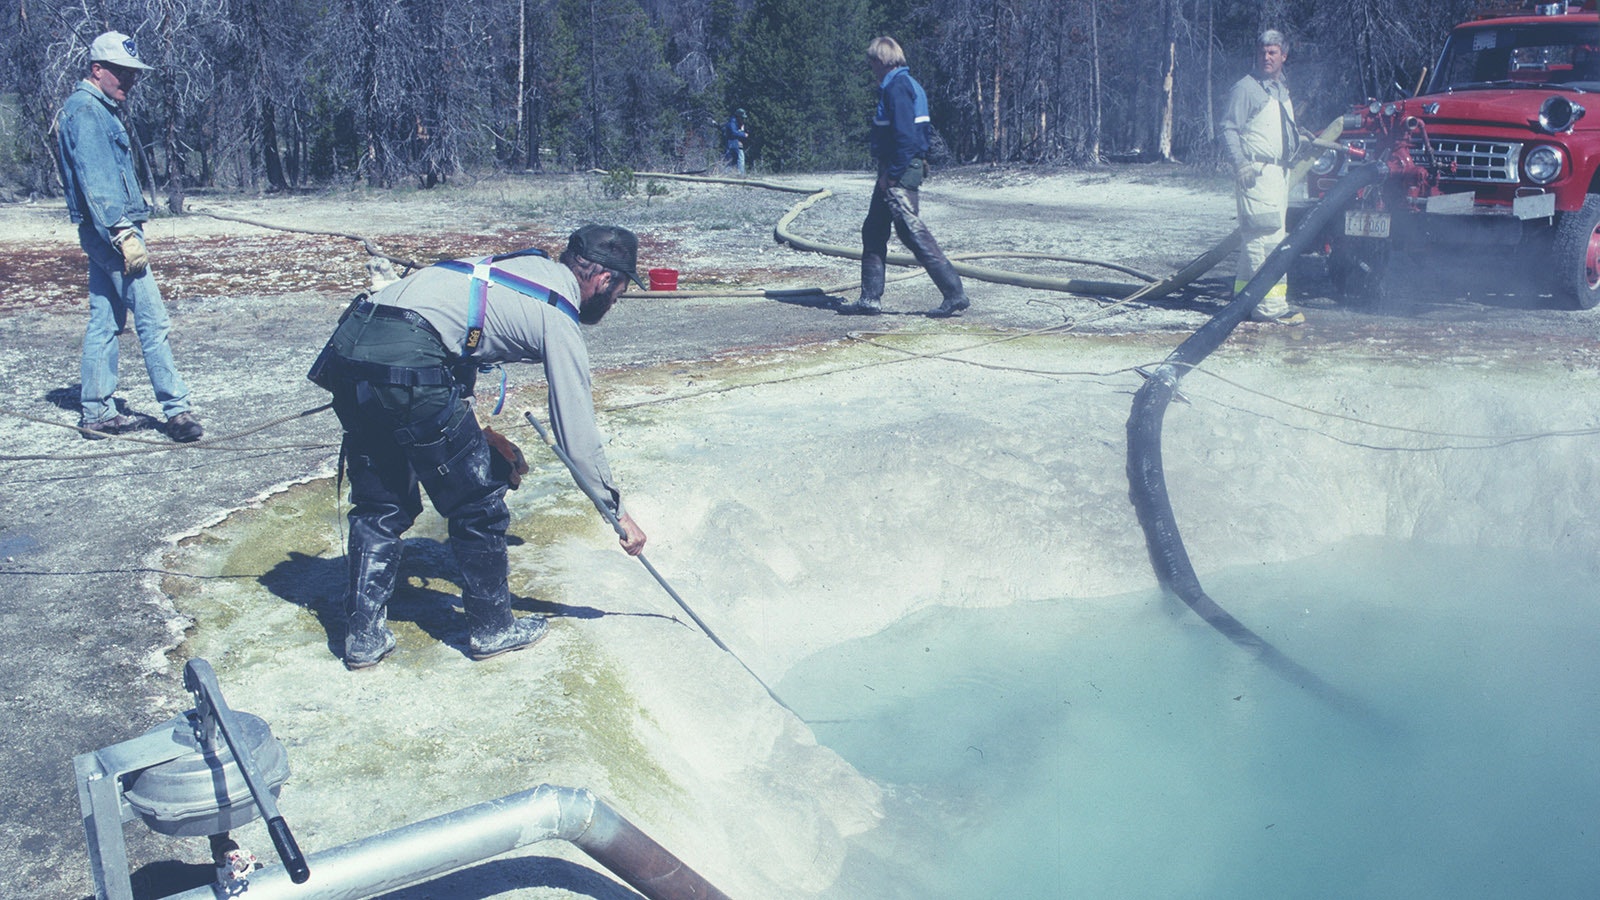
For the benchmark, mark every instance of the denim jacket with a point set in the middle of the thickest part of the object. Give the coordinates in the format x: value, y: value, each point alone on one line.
x: 96, y: 160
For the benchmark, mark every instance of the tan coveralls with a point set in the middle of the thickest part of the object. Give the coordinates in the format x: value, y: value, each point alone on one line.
x: 1258, y: 129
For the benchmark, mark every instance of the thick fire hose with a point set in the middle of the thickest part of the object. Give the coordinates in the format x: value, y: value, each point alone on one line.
x: 1152, y: 289
x: 1147, y: 480
x: 611, y: 518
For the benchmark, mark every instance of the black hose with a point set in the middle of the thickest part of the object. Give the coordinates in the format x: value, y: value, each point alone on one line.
x: 1147, y: 486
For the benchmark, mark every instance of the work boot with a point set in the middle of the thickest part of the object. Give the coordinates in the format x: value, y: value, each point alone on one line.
x: 367, y: 638
x: 951, y: 306
x: 524, y: 632
x: 866, y: 306
x: 185, y: 428
x: 1289, y: 317
x: 870, y: 302
x: 491, y: 628
x: 944, y: 277
x: 97, y: 431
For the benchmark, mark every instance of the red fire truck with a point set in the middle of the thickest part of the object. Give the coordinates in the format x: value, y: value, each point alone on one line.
x: 1498, y: 150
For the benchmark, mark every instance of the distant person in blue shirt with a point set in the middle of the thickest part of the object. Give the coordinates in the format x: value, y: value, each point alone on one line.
x: 735, y: 137
x: 900, y: 136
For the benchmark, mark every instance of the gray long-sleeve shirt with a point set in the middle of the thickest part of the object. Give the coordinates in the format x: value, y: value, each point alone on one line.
x: 518, y: 328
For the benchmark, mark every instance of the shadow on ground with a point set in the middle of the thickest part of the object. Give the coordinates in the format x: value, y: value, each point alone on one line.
x: 427, y: 593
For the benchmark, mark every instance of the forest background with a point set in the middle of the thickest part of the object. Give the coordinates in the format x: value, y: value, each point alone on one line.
x: 272, y: 95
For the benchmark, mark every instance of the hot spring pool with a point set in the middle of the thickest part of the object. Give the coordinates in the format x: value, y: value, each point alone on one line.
x: 1120, y: 748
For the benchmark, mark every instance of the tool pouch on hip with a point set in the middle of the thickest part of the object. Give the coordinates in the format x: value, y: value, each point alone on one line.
x: 916, y: 172
x: 319, y: 374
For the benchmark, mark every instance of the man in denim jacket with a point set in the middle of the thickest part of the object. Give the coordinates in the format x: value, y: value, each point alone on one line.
x: 103, y: 198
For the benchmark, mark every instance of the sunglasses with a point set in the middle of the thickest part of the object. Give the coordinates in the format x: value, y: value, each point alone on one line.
x: 124, y: 74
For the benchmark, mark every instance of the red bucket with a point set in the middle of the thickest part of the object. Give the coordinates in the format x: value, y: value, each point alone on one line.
x: 663, y: 279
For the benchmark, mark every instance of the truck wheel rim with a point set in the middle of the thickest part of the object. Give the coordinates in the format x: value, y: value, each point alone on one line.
x: 1591, y: 260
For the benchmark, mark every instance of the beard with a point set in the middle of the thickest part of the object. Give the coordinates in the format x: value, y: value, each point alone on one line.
x: 592, y: 310
x: 595, y: 308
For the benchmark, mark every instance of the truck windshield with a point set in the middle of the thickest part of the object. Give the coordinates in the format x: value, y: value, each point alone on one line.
x: 1510, y: 56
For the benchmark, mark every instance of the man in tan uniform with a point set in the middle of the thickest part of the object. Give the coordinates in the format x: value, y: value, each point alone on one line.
x: 1260, y: 138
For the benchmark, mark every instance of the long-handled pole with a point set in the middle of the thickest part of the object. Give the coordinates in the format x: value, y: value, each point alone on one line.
x: 201, y: 681
x: 594, y: 496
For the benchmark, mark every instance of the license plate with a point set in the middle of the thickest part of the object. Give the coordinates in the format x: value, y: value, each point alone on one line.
x: 1361, y: 223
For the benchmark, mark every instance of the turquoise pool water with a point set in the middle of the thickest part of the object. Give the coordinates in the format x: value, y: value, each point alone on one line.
x: 1119, y: 748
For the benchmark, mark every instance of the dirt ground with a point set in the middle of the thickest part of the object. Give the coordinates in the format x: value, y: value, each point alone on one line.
x: 121, y: 559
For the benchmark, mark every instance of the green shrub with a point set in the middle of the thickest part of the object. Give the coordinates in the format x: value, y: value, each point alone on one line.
x: 619, y: 183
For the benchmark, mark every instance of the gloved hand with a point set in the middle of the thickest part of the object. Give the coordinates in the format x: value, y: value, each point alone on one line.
x: 135, y: 256
x: 1245, y: 175
x: 508, y: 462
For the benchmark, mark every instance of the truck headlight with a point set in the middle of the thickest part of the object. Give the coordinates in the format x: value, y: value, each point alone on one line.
x: 1542, y: 165
x: 1326, y: 162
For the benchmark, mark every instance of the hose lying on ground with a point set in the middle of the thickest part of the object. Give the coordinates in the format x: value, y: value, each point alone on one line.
x: 1147, y: 480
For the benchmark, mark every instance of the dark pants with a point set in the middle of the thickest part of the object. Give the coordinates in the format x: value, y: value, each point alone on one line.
x: 451, y: 460
x: 896, y: 207
x: 399, y: 439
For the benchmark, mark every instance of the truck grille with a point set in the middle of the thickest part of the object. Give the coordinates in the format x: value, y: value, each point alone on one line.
x: 1494, y: 162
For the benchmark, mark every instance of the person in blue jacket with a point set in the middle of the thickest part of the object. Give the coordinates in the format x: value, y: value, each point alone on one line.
x: 900, y: 136
x: 735, y: 135
x: 103, y: 198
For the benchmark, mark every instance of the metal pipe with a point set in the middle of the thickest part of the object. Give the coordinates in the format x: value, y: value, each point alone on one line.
x: 423, y: 850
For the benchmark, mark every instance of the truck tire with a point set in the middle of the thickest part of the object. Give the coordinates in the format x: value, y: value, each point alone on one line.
x: 1577, y: 256
x: 1356, y: 267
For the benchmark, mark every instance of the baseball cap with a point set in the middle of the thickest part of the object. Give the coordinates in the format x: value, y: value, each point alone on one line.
x: 610, y: 246
x: 118, y: 49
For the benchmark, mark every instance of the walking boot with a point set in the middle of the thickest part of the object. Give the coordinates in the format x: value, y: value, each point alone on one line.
x: 523, y: 633
x: 367, y: 638
x: 97, y: 431
x: 870, y: 303
x: 491, y: 628
x: 951, y: 306
x: 866, y: 306
x: 185, y: 428
x: 946, y: 279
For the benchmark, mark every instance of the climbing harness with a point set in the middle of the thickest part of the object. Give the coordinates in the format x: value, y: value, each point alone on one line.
x: 484, y: 272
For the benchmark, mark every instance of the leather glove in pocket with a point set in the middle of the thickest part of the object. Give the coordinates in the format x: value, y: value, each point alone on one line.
x: 507, y: 464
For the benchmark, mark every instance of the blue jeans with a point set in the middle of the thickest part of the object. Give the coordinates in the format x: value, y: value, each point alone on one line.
x: 112, y: 296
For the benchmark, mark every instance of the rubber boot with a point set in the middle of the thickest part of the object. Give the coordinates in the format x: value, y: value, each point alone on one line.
x: 373, y: 571
x: 948, y: 280
x: 870, y: 302
x: 491, y: 628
